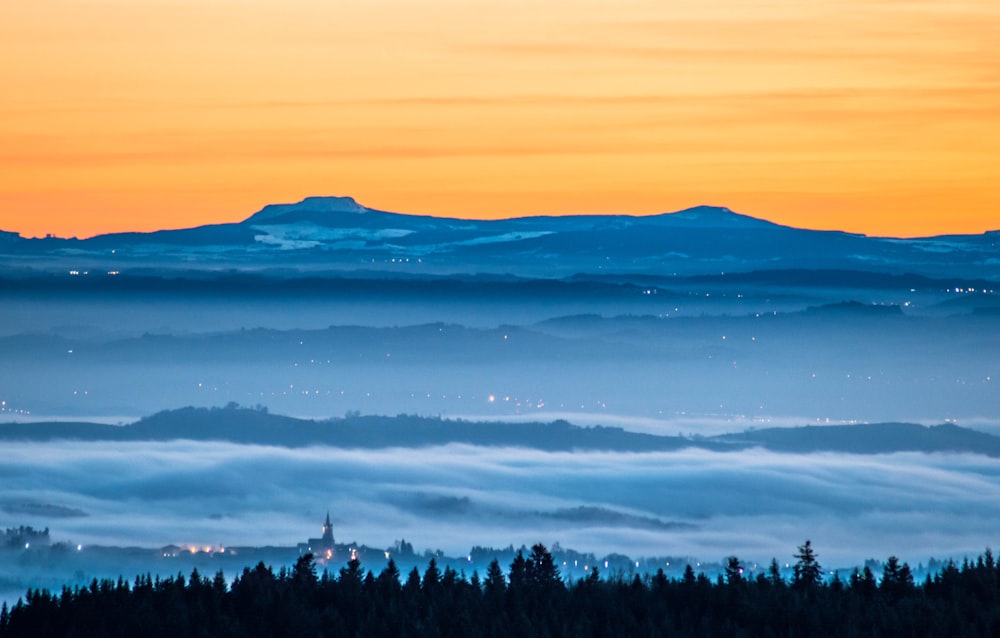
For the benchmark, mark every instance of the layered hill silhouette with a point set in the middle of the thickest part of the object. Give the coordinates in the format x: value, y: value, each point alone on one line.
x: 338, y: 234
x: 257, y: 426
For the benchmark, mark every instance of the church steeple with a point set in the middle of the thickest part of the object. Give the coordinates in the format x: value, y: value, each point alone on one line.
x: 327, y: 532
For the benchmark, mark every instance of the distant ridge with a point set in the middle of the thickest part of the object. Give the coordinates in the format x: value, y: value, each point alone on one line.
x: 340, y: 234
x: 254, y: 426
x: 878, y: 438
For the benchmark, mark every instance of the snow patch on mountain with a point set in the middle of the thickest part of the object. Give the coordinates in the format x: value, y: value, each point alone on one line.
x: 324, y: 205
x: 285, y: 244
x: 931, y: 245
x: 506, y: 237
x: 307, y: 235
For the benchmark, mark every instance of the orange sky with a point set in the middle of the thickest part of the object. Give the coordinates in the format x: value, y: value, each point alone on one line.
x: 875, y: 116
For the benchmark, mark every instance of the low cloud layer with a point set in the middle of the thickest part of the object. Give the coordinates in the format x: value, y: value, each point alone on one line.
x: 755, y: 504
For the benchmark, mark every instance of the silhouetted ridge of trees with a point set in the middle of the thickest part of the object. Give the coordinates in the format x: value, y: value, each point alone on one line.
x: 256, y: 425
x: 530, y: 600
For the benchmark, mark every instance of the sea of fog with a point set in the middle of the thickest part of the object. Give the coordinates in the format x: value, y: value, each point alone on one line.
x: 755, y: 504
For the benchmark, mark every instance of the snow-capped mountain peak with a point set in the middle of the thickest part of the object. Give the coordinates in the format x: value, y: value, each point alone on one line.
x: 312, y: 207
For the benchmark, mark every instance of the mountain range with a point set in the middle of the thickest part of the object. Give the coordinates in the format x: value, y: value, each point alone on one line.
x: 337, y: 234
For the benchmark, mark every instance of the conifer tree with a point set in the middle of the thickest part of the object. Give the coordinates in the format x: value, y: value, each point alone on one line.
x: 543, y: 571
x: 774, y: 574
x: 734, y: 571
x: 495, y: 583
x: 807, y: 572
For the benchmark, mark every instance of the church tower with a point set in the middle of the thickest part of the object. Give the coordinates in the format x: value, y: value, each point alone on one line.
x: 327, y: 540
x: 324, y: 546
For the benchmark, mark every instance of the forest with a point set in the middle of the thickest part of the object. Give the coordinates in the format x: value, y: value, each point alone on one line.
x: 530, y: 598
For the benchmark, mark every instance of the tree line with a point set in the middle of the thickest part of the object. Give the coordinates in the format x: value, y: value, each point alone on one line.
x: 530, y: 599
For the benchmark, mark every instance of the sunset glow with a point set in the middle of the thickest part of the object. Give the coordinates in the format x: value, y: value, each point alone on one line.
x: 876, y: 116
